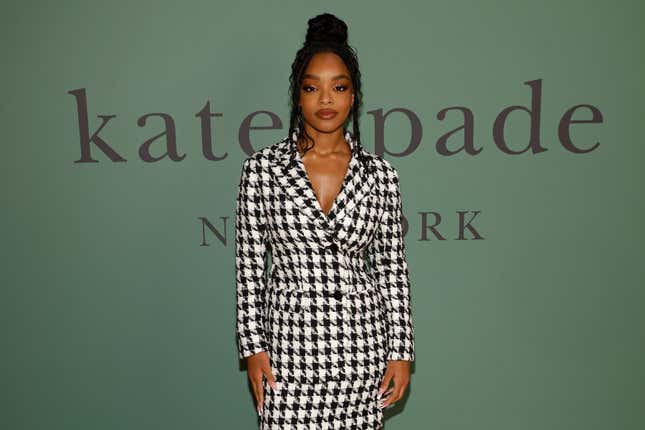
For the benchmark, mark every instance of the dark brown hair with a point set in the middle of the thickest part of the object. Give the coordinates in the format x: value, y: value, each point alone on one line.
x: 326, y: 33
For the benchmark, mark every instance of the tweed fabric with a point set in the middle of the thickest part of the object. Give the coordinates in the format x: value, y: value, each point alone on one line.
x: 335, y: 303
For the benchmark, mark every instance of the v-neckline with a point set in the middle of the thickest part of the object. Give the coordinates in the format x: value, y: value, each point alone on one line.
x: 311, y: 187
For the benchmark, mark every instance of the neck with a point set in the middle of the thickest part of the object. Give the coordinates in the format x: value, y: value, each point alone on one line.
x: 326, y: 143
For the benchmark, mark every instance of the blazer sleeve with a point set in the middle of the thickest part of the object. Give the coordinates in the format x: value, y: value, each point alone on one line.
x: 387, y: 256
x: 250, y: 261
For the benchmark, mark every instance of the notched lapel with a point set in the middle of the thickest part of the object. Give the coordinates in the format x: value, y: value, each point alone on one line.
x: 295, y: 183
x: 290, y: 174
x: 358, y: 184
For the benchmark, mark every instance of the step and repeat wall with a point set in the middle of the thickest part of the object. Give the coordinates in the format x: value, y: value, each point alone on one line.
x: 516, y: 128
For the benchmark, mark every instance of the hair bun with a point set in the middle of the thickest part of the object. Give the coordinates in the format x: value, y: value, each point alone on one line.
x: 326, y: 28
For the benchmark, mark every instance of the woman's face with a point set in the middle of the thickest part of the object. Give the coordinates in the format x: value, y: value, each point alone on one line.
x: 326, y: 93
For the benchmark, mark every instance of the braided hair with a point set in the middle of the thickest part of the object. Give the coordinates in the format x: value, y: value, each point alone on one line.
x: 326, y: 33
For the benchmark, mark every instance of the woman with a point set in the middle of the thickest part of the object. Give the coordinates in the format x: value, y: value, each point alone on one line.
x: 324, y: 336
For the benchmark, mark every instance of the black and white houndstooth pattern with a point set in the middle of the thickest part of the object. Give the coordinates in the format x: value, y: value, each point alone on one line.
x: 329, y: 321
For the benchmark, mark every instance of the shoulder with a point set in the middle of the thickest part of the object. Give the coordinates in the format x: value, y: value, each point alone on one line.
x: 383, y: 168
x: 265, y: 156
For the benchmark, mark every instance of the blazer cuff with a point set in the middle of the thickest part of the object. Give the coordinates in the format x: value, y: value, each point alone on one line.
x: 394, y: 355
x: 250, y: 348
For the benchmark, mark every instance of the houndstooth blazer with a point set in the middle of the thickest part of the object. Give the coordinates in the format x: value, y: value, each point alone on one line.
x: 336, y: 299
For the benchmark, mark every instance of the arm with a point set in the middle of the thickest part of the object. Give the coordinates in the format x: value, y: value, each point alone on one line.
x: 387, y: 256
x: 250, y: 262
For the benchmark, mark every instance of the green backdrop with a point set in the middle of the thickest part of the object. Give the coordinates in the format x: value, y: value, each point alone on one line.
x: 118, y: 296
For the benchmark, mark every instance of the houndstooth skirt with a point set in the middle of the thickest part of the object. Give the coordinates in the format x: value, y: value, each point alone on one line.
x: 328, y: 354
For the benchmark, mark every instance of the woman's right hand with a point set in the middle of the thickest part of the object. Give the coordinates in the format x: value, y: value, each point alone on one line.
x: 258, y: 365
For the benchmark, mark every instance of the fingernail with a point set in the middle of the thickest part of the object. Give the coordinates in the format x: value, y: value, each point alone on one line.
x: 380, y: 391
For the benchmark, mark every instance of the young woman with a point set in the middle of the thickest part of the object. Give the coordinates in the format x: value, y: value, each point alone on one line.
x: 330, y: 328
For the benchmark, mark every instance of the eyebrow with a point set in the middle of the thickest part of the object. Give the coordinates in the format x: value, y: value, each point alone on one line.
x: 317, y: 78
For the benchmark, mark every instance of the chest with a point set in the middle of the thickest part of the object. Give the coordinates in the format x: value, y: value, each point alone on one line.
x: 306, y: 208
x: 326, y: 178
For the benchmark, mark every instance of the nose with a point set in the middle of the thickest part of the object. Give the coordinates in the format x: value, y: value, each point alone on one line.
x: 325, y: 97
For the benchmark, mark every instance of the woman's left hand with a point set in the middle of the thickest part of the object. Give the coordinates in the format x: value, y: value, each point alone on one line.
x: 399, y: 371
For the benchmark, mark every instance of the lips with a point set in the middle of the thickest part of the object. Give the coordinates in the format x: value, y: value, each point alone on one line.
x: 326, y: 113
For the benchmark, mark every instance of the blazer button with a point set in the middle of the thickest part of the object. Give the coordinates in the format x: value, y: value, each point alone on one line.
x: 333, y: 247
x: 338, y: 295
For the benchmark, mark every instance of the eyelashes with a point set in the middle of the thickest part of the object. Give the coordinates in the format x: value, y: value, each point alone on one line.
x: 342, y: 88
